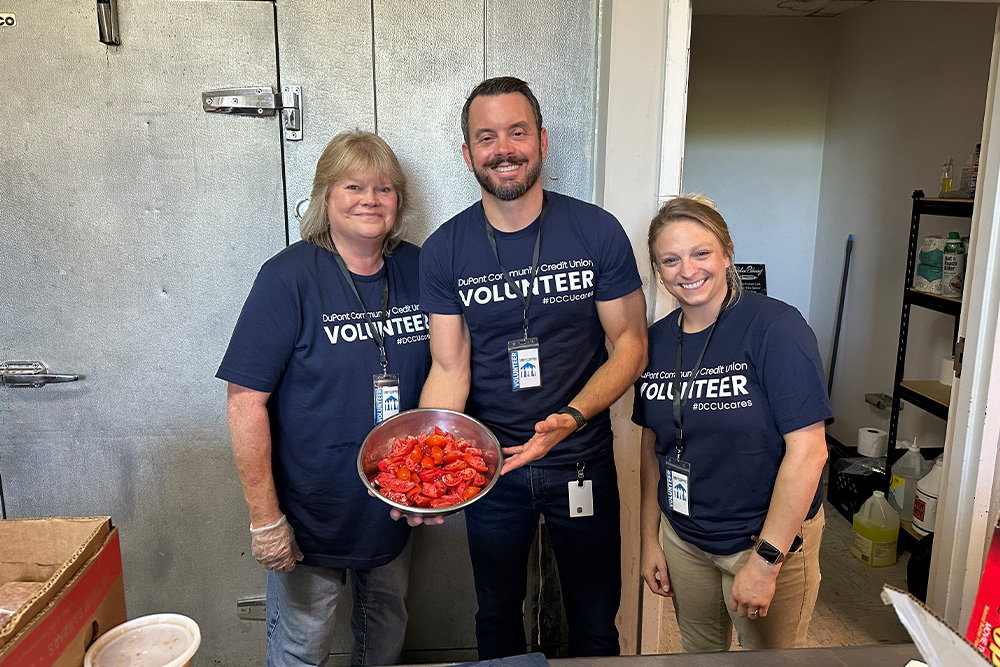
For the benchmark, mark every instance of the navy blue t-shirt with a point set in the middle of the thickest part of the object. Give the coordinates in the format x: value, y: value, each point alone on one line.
x: 585, y: 257
x: 302, y: 337
x: 761, y: 378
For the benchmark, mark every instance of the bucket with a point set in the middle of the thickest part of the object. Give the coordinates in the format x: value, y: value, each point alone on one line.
x: 160, y: 640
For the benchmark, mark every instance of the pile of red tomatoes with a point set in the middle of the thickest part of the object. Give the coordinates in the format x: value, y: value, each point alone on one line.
x: 431, y: 470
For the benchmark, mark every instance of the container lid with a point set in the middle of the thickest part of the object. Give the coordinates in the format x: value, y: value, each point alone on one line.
x: 160, y: 640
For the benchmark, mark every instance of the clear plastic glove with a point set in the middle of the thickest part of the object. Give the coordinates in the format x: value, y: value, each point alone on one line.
x: 274, y: 546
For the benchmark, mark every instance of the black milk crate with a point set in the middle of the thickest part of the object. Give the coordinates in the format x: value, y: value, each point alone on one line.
x: 848, y: 491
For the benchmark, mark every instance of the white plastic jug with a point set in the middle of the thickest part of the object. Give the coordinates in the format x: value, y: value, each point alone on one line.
x: 876, y: 530
x: 926, y: 500
x: 906, y: 472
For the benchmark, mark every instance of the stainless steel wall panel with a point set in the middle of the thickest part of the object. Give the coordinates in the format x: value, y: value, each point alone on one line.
x: 429, y: 56
x: 131, y: 226
x: 554, y: 47
x: 326, y: 47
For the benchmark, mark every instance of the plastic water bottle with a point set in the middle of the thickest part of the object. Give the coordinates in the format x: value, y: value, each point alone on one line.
x: 953, y: 267
x: 906, y: 472
x: 926, y: 500
x: 946, y: 175
x: 876, y: 530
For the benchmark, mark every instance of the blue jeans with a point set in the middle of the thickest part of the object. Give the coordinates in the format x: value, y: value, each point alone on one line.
x: 501, y: 527
x: 301, y: 605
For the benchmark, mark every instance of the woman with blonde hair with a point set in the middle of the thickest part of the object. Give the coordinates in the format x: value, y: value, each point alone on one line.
x: 732, y: 405
x: 330, y: 342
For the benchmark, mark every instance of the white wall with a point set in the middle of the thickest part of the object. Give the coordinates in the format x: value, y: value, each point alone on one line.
x: 908, y: 85
x: 756, y: 119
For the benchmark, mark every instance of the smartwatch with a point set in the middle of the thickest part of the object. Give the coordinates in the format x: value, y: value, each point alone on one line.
x: 772, y: 554
x: 577, y: 416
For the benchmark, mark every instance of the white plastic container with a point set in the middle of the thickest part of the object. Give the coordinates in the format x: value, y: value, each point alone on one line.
x: 160, y: 640
x: 906, y: 472
x: 926, y: 500
x: 876, y: 531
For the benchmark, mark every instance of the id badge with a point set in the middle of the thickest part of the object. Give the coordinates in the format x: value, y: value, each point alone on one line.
x: 525, y: 368
x: 386, y: 391
x: 581, y: 498
x: 678, y: 486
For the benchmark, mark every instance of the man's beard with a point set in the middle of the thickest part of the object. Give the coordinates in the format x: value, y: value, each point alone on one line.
x: 512, y: 191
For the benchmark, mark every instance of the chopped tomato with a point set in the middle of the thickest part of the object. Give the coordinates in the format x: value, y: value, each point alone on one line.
x: 403, y: 447
x: 431, y: 470
x: 477, y: 463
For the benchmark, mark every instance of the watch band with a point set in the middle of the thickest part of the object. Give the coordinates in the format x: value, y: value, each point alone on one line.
x: 577, y: 416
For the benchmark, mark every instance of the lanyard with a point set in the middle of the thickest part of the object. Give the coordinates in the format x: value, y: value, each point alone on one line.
x: 681, y: 402
x: 525, y: 298
x: 375, y: 331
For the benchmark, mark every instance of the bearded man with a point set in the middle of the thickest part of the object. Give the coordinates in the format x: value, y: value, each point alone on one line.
x: 523, y: 288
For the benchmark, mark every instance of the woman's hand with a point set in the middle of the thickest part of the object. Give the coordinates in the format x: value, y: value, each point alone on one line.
x: 653, y: 566
x: 753, y: 588
x: 415, y: 519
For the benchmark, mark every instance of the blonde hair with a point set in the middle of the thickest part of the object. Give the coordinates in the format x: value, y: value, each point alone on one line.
x: 701, y: 210
x: 347, y: 155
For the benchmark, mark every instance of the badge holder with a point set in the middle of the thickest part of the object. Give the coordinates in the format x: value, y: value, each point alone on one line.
x: 678, y: 486
x: 386, y: 391
x: 525, y: 364
x: 581, y: 494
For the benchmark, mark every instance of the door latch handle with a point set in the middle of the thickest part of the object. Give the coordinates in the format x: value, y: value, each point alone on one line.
x: 30, y: 374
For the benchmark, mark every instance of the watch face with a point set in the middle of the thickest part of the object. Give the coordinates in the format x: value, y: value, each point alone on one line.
x: 768, y: 552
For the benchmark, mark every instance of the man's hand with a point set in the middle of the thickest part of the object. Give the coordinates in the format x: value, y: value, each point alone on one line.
x: 753, y: 587
x: 274, y: 546
x: 548, y: 434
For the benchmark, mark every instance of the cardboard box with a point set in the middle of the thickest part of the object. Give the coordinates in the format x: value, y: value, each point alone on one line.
x: 984, y: 624
x: 83, y: 596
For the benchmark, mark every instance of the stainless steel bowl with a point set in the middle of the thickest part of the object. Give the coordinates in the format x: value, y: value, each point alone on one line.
x: 423, y: 420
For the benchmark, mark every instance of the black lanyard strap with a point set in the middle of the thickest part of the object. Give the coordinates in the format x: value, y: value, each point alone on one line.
x: 383, y: 314
x: 680, y: 402
x: 525, y: 298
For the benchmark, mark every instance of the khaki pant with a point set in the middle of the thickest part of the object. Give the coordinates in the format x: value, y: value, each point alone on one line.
x: 702, y: 582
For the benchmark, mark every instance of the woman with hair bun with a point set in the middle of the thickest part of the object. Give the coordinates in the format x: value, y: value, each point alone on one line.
x: 330, y: 342
x: 732, y: 405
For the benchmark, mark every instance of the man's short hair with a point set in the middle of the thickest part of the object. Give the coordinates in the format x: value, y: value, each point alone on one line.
x: 500, y: 85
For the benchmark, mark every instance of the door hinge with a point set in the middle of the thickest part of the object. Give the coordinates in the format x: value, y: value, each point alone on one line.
x: 259, y: 101
x: 959, y: 353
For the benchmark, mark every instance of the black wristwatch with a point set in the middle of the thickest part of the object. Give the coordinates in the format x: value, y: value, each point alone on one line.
x: 577, y: 416
x: 772, y: 554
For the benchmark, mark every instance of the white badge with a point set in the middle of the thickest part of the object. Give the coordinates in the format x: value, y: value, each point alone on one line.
x: 581, y: 498
x: 525, y: 364
x: 386, y: 396
x: 678, y: 489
